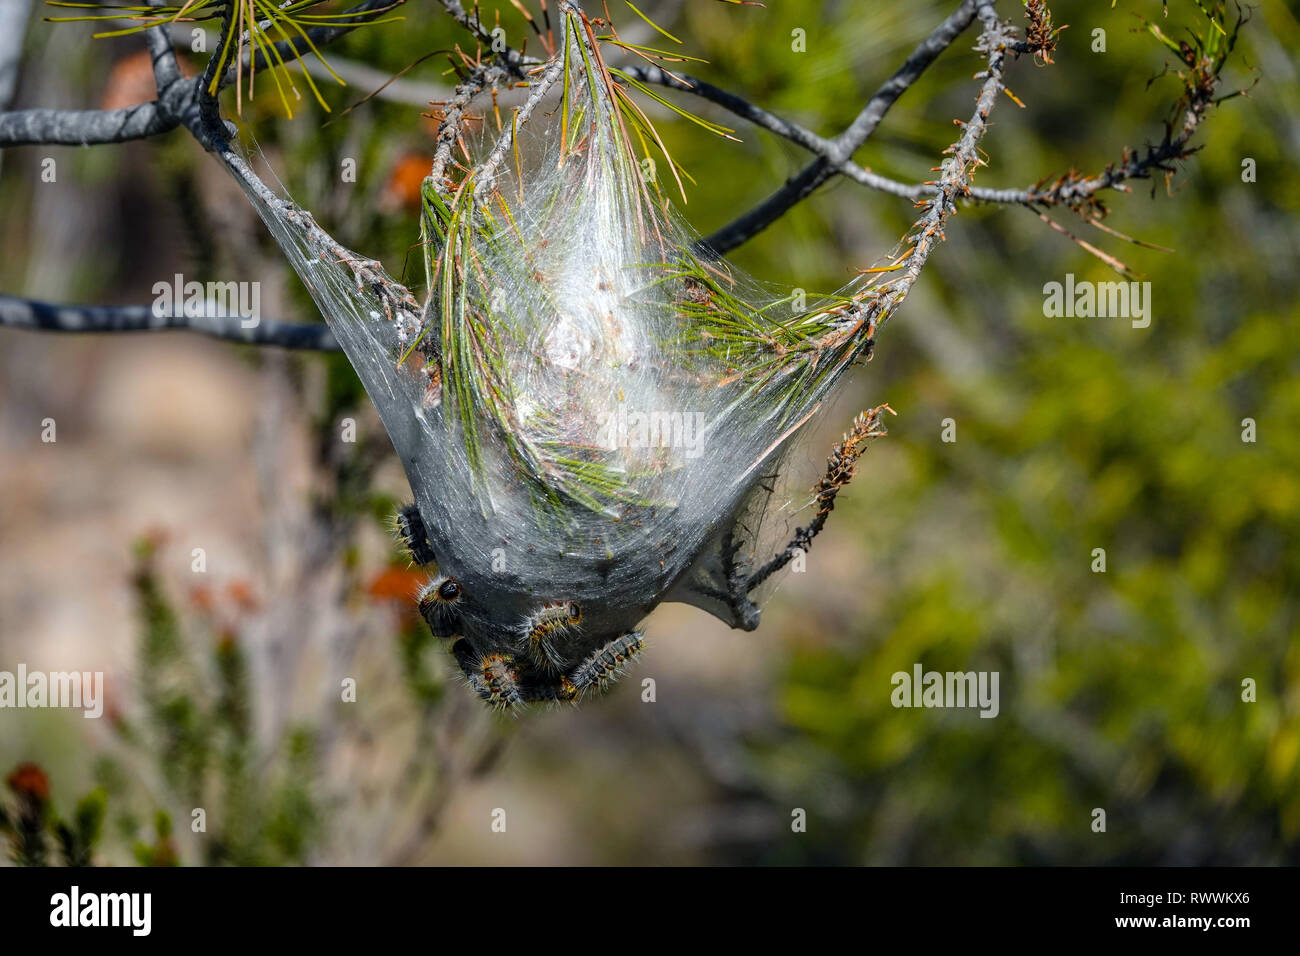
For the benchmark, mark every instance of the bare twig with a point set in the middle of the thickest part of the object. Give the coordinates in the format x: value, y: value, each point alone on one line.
x: 997, y: 42
x: 19, y: 313
x: 506, y: 63
x: 677, y: 80
x: 510, y: 58
x: 454, y: 112
x: 801, y: 135
x: 486, y: 172
x: 47, y: 127
x: 840, y: 470
x: 842, y: 148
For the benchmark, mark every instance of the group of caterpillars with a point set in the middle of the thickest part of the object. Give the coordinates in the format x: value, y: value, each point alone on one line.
x: 495, y: 677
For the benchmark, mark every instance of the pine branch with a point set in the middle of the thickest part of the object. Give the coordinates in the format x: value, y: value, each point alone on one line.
x: 20, y: 313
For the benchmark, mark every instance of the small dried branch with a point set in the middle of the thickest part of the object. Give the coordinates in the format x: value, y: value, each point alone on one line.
x: 507, y: 56
x: 840, y: 469
x: 997, y: 42
x: 677, y: 80
x: 506, y: 63
x: 486, y: 172
x: 454, y: 113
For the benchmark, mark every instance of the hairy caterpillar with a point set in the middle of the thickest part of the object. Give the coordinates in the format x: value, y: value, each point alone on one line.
x: 541, y: 630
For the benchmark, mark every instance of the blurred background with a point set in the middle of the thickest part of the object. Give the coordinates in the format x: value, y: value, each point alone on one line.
x: 1119, y: 690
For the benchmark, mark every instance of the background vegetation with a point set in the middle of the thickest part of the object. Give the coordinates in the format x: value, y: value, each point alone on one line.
x: 1120, y: 690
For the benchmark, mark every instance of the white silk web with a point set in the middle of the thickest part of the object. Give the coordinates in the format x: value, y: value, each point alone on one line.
x: 588, y: 410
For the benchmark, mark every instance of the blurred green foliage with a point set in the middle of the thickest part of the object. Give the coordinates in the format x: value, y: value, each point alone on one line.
x: 191, y: 748
x: 1120, y: 690
x: 198, y: 724
x: 30, y: 823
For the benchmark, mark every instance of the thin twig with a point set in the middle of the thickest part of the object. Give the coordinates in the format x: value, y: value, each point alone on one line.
x: 454, y: 112
x: 19, y: 313
x: 801, y: 185
x: 50, y: 127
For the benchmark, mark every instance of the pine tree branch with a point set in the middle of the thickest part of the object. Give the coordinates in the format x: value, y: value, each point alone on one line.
x: 841, y: 148
x: 20, y: 313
